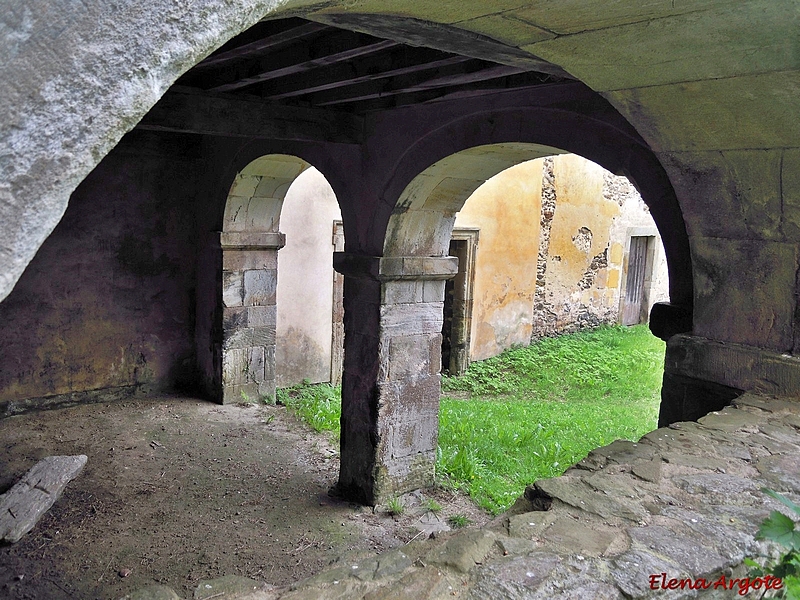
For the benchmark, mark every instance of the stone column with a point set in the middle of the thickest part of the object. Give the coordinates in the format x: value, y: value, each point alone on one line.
x: 391, y: 380
x: 249, y: 280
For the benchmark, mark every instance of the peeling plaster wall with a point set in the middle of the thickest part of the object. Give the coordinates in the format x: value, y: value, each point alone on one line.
x: 580, y: 288
x: 634, y: 219
x: 305, y: 281
x: 107, y: 304
x: 545, y: 270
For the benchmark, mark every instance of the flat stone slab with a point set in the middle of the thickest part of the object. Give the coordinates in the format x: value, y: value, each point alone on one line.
x: 576, y: 493
x: 23, y: 505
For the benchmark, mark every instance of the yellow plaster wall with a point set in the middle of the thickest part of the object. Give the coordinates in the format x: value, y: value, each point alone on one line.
x: 507, y: 210
x: 580, y: 204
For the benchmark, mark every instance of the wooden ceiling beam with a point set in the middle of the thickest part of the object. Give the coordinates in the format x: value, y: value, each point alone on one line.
x: 398, y: 61
x: 259, y: 46
x: 466, y: 72
x: 297, y: 59
x: 526, y: 80
x: 190, y: 111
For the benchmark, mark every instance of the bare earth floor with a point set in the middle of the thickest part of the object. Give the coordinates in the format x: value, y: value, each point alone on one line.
x: 177, y: 490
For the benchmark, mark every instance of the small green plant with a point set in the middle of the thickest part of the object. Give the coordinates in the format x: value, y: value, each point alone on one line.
x: 780, y: 529
x: 458, y: 521
x: 432, y: 506
x: 394, y: 506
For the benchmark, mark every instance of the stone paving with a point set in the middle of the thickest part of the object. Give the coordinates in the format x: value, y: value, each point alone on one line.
x: 685, y: 501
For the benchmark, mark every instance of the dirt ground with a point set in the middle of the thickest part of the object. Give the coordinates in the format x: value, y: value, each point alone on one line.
x: 177, y: 490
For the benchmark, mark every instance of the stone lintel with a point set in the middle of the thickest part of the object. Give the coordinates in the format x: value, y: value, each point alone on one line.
x: 251, y: 240
x: 747, y: 368
x: 395, y: 268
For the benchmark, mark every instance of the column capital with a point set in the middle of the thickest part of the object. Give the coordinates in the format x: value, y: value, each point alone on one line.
x: 251, y: 240
x: 395, y: 268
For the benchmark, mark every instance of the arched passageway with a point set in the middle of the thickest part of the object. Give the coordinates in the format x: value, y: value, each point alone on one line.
x: 524, y: 92
x: 396, y: 381
x: 309, y: 339
x: 241, y: 365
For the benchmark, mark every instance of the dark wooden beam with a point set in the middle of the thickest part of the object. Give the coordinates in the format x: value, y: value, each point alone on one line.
x: 328, y: 47
x: 308, y: 65
x: 189, y: 111
x: 448, y: 38
x: 397, y: 61
x: 531, y: 82
x: 471, y: 71
x: 259, y: 46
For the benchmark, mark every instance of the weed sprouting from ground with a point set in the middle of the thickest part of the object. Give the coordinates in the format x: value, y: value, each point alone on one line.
x: 531, y: 412
x: 458, y: 521
x: 432, y: 505
x: 395, y: 507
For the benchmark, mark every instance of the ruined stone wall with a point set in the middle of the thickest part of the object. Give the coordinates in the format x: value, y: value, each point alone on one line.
x: 587, y: 217
x: 107, y: 305
x: 305, y: 281
x: 552, y: 256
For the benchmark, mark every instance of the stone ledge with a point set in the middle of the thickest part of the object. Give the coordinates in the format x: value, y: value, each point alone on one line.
x: 10, y: 408
x: 739, y: 366
x: 395, y: 268
x: 252, y: 240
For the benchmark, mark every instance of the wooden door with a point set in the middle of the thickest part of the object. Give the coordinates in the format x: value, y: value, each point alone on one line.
x: 635, y: 282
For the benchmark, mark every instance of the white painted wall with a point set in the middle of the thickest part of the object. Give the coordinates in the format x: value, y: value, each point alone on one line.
x: 305, y: 281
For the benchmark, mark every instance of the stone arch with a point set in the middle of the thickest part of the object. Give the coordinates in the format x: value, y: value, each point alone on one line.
x: 256, y: 195
x: 430, y: 183
x: 419, y: 189
x: 244, y: 362
x: 422, y: 221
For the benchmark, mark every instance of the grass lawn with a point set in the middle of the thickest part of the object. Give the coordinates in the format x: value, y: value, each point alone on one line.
x: 530, y: 412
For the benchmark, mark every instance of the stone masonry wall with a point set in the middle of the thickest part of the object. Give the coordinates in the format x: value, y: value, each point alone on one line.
x: 586, y: 219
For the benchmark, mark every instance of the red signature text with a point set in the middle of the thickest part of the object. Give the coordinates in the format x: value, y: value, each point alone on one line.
x: 742, y: 585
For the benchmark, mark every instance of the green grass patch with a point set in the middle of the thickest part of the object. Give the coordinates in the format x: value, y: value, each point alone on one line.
x: 319, y: 405
x: 531, y: 412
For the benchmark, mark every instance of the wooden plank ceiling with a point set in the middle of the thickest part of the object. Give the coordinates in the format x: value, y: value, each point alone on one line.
x: 294, y: 62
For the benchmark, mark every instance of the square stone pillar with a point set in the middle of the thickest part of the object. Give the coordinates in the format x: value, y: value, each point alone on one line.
x: 391, y: 380
x: 249, y: 282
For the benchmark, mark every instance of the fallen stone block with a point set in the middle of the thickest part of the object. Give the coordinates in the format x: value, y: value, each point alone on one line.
x: 23, y: 505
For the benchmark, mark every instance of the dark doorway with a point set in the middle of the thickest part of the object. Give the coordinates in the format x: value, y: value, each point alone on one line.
x: 458, y: 303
